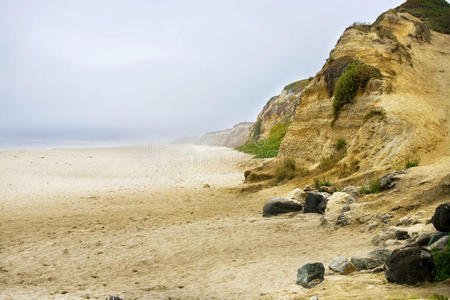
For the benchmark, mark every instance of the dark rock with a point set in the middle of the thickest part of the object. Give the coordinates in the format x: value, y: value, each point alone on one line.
x: 343, y: 220
x: 315, y: 202
x: 377, y: 270
x: 113, y: 298
x: 402, y: 235
x: 310, y: 275
x: 439, y: 244
x: 437, y: 236
x: 424, y: 239
x: 277, y: 206
x: 410, y: 265
x: 374, y: 258
x: 441, y: 218
x: 388, y: 181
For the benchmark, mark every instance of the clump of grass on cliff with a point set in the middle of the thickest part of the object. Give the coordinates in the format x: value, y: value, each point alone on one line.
x: 256, y: 129
x: 286, y: 170
x: 266, y: 148
x: 373, y: 187
x: 297, y: 86
x: 355, y: 77
x: 442, y: 263
x: 436, y: 13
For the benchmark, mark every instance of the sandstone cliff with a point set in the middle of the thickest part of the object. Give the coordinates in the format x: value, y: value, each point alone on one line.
x: 232, y: 137
x: 404, y: 114
x: 279, y: 108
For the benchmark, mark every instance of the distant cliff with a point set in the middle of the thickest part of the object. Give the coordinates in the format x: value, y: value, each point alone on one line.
x: 232, y: 137
x: 278, y: 109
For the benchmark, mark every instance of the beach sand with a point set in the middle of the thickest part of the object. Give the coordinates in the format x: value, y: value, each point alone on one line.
x: 139, y: 223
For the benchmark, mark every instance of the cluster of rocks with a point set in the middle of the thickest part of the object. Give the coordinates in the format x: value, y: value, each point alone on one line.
x: 410, y: 264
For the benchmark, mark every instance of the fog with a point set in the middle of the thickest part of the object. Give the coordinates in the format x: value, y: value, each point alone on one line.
x: 160, y: 69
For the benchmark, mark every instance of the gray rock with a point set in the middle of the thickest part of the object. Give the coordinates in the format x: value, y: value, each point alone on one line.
x: 315, y: 202
x: 278, y: 206
x: 410, y: 265
x: 310, y: 275
x: 437, y: 236
x: 343, y: 219
x: 113, y: 298
x: 439, y: 244
x: 342, y: 265
x: 441, y: 218
x: 374, y: 258
x: 354, y: 191
x: 336, y: 204
x: 388, y: 181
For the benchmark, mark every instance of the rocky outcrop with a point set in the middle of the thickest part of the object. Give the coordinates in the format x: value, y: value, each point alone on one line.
x: 410, y: 265
x: 374, y: 258
x: 337, y: 204
x: 233, y: 137
x: 278, y: 109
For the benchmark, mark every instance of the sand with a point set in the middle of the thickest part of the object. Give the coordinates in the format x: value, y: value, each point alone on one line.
x: 138, y: 223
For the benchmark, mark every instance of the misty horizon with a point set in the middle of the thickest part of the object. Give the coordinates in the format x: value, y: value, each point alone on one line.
x: 157, y: 70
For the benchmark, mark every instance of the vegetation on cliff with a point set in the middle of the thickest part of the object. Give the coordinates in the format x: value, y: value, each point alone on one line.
x: 436, y: 13
x: 442, y: 263
x: 268, y: 147
x: 355, y: 77
x: 297, y: 86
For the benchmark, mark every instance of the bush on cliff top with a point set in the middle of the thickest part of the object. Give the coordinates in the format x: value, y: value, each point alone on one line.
x: 436, y: 13
x: 355, y: 76
x: 297, y: 86
x: 265, y: 148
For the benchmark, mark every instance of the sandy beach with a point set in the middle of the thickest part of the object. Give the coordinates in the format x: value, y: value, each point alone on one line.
x: 140, y: 223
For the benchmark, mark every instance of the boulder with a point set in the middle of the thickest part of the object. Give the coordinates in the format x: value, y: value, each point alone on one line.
x: 423, y: 239
x: 297, y: 195
x: 374, y: 258
x: 410, y: 265
x: 281, y: 205
x: 337, y: 203
x: 354, y: 191
x: 388, y: 181
x: 437, y: 236
x: 342, y: 265
x: 316, y: 202
x: 441, y: 218
x: 310, y: 275
x: 439, y: 244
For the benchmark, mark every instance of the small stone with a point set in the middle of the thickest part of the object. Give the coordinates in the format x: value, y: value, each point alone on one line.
x: 402, y: 235
x: 439, y: 244
x: 310, y: 275
x: 342, y: 265
x: 436, y: 237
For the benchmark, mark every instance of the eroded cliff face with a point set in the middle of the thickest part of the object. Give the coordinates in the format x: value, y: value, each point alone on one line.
x: 404, y: 114
x: 279, y: 108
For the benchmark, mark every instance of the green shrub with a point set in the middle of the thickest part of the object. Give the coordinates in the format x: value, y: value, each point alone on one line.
x: 286, y: 170
x: 410, y: 163
x: 257, y: 130
x: 297, y: 86
x: 340, y: 144
x: 266, y: 148
x: 361, y: 26
x: 436, y: 13
x: 318, y: 183
x: 442, y: 263
x: 355, y: 77
x: 374, y: 187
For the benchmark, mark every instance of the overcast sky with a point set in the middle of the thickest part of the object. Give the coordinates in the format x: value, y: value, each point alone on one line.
x: 154, y: 68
